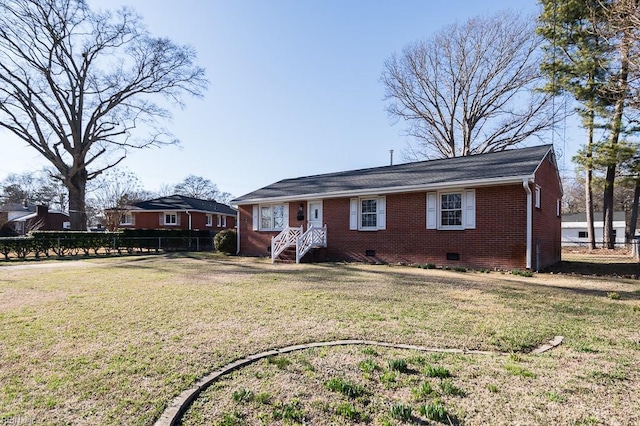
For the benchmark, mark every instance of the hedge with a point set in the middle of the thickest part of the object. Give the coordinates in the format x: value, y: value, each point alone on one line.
x: 72, y: 243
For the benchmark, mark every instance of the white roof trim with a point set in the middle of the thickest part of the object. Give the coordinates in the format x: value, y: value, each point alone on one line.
x: 391, y: 190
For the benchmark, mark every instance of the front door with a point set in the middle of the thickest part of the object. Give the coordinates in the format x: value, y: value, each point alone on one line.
x: 315, y: 214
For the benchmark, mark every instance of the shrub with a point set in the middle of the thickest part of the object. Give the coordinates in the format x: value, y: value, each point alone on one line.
x: 226, y: 241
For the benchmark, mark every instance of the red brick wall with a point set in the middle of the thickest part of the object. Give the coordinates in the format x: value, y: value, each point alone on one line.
x: 151, y: 220
x: 546, y: 223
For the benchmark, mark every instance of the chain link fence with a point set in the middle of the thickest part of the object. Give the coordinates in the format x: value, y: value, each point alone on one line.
x: 579, y: 258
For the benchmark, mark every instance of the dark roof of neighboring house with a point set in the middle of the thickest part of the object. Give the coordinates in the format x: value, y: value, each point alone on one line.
x: 18, y: 207
x: 494, y: 166
x: 181, y: 202
x: 597, y: 216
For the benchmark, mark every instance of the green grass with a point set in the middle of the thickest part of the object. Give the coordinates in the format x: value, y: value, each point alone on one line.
x: 113, y: 340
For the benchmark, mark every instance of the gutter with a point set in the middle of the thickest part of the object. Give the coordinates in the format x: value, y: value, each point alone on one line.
x: 527, y: 189
x: 189, y: 214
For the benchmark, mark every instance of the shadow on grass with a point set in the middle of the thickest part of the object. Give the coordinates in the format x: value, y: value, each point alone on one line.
x: 613, y: 269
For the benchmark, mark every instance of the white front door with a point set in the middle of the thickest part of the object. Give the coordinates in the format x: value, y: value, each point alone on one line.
x: 315, y: 214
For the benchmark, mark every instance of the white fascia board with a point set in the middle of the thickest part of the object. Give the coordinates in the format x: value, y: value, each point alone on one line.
x: 391, y: 190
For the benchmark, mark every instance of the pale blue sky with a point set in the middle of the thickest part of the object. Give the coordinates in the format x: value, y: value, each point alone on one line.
x: 294, y: 86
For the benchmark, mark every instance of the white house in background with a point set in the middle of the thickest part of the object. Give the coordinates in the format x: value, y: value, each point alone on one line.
x: 574, y: 228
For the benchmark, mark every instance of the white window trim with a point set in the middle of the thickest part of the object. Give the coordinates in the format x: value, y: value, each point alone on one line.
x: 355, y: 221
x: 434, y: 210
x: 124, y: 217
x: 285, y: 217
x: 164, y: 218
x: 462, y: 210
x: 209, y: 220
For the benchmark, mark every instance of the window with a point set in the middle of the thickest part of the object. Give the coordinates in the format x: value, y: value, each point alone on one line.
x: 367, y: 214
x: 219, y: 224
x: 537, y: 197
x: 209, y: 220
x: 582, y: 234
x: 449, y: 210
x: 272, y: 217
x: 224, y: 221
x: 126, y: 219
x: 170, y: 219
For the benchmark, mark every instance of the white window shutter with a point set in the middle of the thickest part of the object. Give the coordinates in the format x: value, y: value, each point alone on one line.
x: 256, y: 218
x: 133, y: 218
x: 285, y: 215
x: 382, y: 212
x: 161, y: 219
x: 178, y: 218
x: 353, y: 214
x: 432, y: 213
x: 470, y: 209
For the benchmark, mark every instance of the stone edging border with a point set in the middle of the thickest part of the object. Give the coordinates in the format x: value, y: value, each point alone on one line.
x: 173, y: 413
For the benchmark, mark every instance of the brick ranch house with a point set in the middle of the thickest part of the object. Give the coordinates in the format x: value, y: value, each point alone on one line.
x: 495, y: 210
x: 22, y: 218
x: 174, y: 212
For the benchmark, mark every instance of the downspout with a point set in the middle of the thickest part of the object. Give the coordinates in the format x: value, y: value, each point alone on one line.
x: 188, y: 214
x: 525, y: 185
x: 238, y: 231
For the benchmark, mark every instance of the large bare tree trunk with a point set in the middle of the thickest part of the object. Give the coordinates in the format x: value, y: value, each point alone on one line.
x: 77, y: 185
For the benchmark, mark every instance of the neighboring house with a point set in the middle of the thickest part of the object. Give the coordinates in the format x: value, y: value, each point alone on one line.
x: 574, y: 228
x: 21, y: 218
x: 494, y: 210
x: 175, y: 212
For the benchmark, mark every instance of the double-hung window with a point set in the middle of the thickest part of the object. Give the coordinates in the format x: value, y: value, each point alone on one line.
x: 170, y: 218
x: 209, y: 220
x: 368, y: 214
x: 126, y: 219
x: 269, y: 217
x: 451, y: 210
x: 219, y: 223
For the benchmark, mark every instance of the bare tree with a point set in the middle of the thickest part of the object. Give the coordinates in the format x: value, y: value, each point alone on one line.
x: 202, y: 188
x: 38, y: 187
x: 75, y: 85
x: 471, y: 88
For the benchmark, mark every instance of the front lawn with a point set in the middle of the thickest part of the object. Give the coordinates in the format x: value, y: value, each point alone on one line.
x: 114, y: 340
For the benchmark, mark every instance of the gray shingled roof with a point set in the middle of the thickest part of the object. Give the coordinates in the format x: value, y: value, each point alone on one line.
x: 180, y: 202
x: 514, y: 163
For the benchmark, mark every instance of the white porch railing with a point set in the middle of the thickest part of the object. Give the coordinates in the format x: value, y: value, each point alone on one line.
x: 285, y: 239
x: 303, y: 241
x: 314, y: 237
